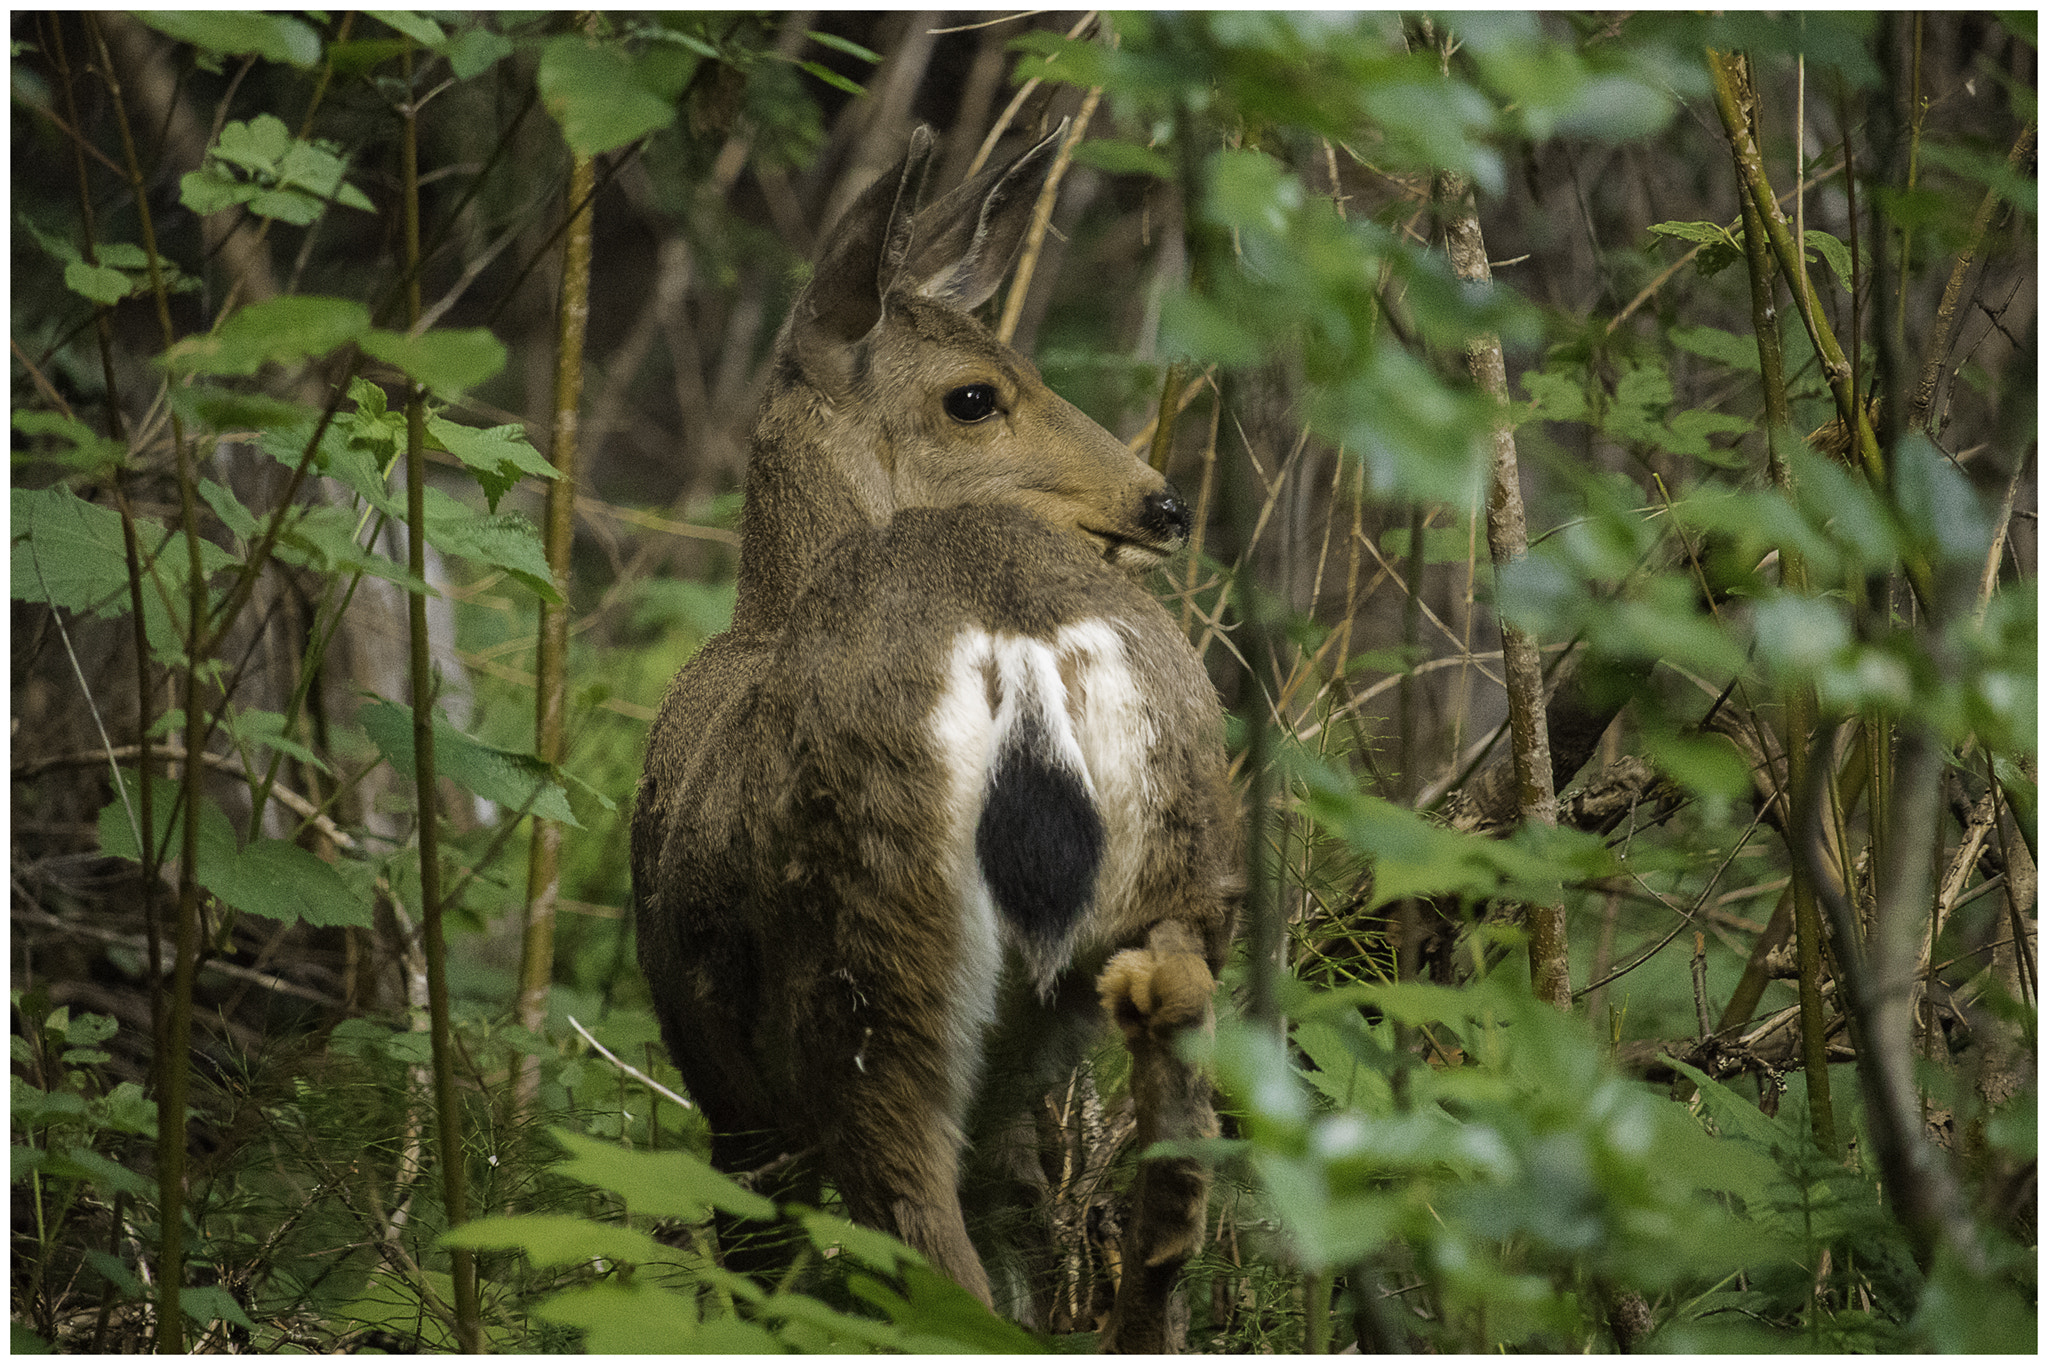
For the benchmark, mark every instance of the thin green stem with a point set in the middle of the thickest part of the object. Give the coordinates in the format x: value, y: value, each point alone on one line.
x: 447, y: 1100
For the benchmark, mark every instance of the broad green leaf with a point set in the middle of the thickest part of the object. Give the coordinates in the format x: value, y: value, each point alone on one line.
x: 281, y: 329
x: 287, y: 205
x: 271, y: 878
x: 417, y: 27
x: 210, y: 1303
x: 325, y: 539
x: 1737, y: 353
x: 256, y: 145
x: 116, y: 1272
x: 669, y: 1184
x: 210, y: 408
x: 514, y: 781
x: 591, y: 90
x: 101, y: 284
x: 83, y: 1163
x: 448, y: 360
x: 272, y: 37
x: 68, y: 552
x: 255, y: 726
x: 506, y: 541
x: 88, y: 449
x: 940, y: 1316
x: 474, y: 51
x: 554, y: 1239
x: 229, y: 509
x: 865, y: 1245
x: 208, y: 190
x: 498, y: 456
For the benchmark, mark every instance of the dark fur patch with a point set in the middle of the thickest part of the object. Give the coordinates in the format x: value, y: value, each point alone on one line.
x: 1040, y: 840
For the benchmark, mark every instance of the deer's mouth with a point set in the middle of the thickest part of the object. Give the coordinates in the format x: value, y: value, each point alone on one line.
x: 1130, y: 552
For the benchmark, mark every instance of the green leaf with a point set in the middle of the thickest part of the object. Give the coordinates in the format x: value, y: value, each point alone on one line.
x: 324, y: 539
x: 592, y: 91
x: 846, y: 45
x: 474, y: 51
x: 670, y: 1184
x: 515, y: 781
x: 506, y: 541
x: 448, y: 360
x: 229, y: 509
x: 834, y: 79
x: 272, y: 37
x: 555, y: 1239
x: 280, y: 329
x: 68, y: 552
x: 116, y: 1272
x: 1833, y: 251
x: 83, y: 1163
x: 210, y: 1304
x: 939, y: 1316
x: 641, y: 1319
x: 498, y: 456
x: 255, y: 145
x: 1123, y: 158
x: 88, y: 449
x: 99, y: 283
x: 271, y: 878
x: 1737, y: 353
x: 208, y: 190
x: 1703, y: 233
x: 417, y: 27
x: 871, y: 1248
x: 266, y: 728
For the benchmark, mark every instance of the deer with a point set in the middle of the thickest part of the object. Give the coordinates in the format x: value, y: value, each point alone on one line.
x: 951, y: 792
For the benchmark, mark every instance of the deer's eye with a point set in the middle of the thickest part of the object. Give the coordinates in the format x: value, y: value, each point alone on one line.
x: 971, y: 402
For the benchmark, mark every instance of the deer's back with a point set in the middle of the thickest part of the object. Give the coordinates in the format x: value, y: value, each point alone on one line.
x: 970, y: 740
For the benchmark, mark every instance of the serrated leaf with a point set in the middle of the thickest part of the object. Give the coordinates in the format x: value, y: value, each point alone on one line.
x: 256, y: 726
x: 100, y: 283
x: 207, y: 191
x: 271, y: 878
x: 505, y: 541
x: 281, y: 329
x: 498, y: 456
x: 448, y: 360
x: 510, y: 779
x: 1701, y: 232
x: 668, y: 1184
x: 591, y: 91
x: 68, y: 552
x: 555, y: 1239
x: 273, y: 37
x: 210, y: 408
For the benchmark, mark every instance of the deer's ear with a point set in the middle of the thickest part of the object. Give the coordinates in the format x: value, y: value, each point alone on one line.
x: 865, y: 249
x: 966, y: 241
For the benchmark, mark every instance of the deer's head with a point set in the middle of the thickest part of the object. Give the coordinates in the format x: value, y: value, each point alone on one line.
x: 917, y: 404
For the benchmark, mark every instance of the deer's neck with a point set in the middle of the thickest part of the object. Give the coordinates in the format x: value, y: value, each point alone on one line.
x: 805, y: 491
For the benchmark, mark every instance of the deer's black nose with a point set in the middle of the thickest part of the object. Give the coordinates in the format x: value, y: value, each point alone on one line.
x: 1167, y: 515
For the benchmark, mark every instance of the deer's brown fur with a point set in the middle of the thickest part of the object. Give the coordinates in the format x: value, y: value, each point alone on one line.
x: 951, y: 762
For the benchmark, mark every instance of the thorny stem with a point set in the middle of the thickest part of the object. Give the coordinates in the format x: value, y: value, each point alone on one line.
x: 447, y: 1101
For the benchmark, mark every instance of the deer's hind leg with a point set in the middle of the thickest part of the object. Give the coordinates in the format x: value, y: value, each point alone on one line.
x: 1156, y: 993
